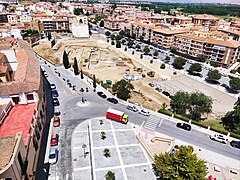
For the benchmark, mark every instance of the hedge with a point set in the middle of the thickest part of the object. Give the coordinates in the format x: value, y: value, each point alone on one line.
x: 184, y: 118
x: 199, y: 124
x: 235, y: 135
x: 166, y: 112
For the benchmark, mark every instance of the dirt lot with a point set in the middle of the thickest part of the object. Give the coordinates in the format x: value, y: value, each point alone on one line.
x: 96, y: 57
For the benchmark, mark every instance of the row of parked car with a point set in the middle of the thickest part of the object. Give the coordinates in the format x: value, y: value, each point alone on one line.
x: 104, y: 96
x: 159, y: 89
x: 140, y: 111
x: 53, y: 155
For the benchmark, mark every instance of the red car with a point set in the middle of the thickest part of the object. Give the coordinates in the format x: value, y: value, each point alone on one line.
x: 56, y: 121
x: 54, y: 140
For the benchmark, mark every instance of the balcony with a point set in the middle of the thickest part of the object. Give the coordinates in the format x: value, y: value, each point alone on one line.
x: 5, y: 110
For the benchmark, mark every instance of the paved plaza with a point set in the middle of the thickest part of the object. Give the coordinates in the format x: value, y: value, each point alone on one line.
x: 128, y: 160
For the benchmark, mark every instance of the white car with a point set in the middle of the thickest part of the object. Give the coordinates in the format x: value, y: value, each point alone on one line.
x: 132, y: 108
x: 219, y: 138
x: 144, y: 112
x: 53, y: 156
x: 53, y: 86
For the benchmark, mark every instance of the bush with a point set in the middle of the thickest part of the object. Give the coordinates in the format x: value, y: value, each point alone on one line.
x: 133, y: 53
x: 106, y: 85
x: 141, y: 56
x: 162, y: 66
x: 181, y: 117
x: 233, y: 71
x: 219, y: 130
x: 199, y: 124
x: 151, y: 61
x: 166, y: 112
x: 118, y: 44
x: 235, y: 135
x: 125, y: 49
x: 175, y: 73
x: 112, y: 43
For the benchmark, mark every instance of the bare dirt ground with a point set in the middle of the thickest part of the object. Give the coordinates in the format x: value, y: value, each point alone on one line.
x: 96, y: 57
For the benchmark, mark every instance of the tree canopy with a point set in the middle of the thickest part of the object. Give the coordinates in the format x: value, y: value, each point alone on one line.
x: 101, y: 24
x: 118, y: 44
x: 231, y: 121
x: 155, y: 53
x: 75, y: 67
x: 77, y: 11
x: 201, y: 58
x: 146, y: 49
x: 234, y: 84
x: 180, y: 102
x: 182, y: 164
x: 107, y: 33
x: 123, y: 89
x: 179, y: 63
x: 196, y: 67
x: 214, y: 75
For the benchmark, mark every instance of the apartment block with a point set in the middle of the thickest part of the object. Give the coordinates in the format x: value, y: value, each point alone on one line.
x: 113, y: 24
x: 22, y: 105
x: 58, y: 25
x: 205, y: 20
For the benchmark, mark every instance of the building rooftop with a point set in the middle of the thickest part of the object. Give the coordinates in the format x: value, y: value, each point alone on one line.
x: 18, y: 120
x: 168, y: 31
x: 6, y: 150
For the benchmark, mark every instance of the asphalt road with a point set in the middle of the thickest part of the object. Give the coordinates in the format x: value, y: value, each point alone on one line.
x: 72, y: 115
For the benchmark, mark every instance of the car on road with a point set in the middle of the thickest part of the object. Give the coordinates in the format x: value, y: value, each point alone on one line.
x: 158, y: 89
x: 56, y: 121
x: 57, y: 112
x: 101, y: 94
x: 53, y: 156
x: 235, y: 144
x: 219, y: 138
x: 144, y: 112
x: 132, y: 108
x: 45, y: 74
x: 52, y: 86
x: 54, y: 140
x: 56, y: 102
x: 112, y: 100
x: 184, y: 126
x: 166, y: 93
x: 151, y: 84
x: 54, y: 93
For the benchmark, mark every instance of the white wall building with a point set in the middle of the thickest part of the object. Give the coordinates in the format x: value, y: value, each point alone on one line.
x: 80, y: 26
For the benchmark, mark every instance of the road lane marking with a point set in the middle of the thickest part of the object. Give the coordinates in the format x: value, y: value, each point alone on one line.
x: 142, y: 123
x: 160, y: 122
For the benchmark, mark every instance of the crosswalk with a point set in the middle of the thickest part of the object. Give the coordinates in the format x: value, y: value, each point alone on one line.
x: 152, y: 122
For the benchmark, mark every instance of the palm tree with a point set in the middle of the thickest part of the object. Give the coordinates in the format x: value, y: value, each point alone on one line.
x: 106, y: 152
x: 110, y: 175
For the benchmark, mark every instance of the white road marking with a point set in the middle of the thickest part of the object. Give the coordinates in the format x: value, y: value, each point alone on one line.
x: 142, y: 123
x: 161, y: 122
x: 82, y: 168
x: 126, y: 145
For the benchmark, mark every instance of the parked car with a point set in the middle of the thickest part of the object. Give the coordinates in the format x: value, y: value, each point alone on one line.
x: 158, y: 89
x: 56, y: 102
x: 235, y: 144
x: 224, y: 85
x: 45, y: 74
x: 54, y: 140
x: 112, y: 100
x: 56, y: 121
x: 53, y: 156
x: 54, y: 93
x: 57, y: 112
x: 166, y: 93
x: 184, y: 126
x: 151, y: 84
x: 52, y: 86
x: 219, y: 138
x: 144, y: 112
x: 132, y: 108
x: 101, y: 94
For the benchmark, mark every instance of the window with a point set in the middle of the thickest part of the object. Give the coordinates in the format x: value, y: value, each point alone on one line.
x: 30, y: 97
x: 37, y: 132
x: 16, y: 100
x: 35, y: 143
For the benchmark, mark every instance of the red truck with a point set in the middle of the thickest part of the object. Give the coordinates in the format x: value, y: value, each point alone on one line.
x: 117, y: 115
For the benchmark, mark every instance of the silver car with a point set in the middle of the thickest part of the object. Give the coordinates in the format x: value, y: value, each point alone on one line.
x: 132, y: 108
x: 53, y: 156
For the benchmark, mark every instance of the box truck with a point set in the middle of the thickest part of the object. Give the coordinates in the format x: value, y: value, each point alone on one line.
x: 117, y: 115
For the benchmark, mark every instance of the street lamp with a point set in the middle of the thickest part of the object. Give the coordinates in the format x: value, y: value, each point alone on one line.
x: 84, y: 146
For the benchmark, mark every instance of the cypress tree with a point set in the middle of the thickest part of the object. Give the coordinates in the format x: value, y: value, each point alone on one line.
x: 81, y: 74
x: 75, y: 67
x: 94, y: 83
x: 65, y: 60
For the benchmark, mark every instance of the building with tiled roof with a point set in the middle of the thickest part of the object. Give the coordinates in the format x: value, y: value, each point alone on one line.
x: 22, y: 115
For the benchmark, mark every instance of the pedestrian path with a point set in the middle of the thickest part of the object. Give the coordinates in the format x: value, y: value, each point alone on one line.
x: 152, y: 122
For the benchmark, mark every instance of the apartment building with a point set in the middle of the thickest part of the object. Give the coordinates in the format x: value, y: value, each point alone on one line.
x: 113, y: 24
x: 22, y: 105
x: 3, y: 17
x: 205, y: 20
x: 56, y: 25
x: 223, y: 52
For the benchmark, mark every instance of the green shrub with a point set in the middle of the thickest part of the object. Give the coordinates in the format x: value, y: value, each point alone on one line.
x: 235, y: 135
x: 162, y: 66
x: 112, y: 43
x: 219, y: 130
x: 199, y: 124
x: 106, y: 85
x: 233, y: 71
x: 166, y: 112
x: 174, y: 73
x: 184, y: 118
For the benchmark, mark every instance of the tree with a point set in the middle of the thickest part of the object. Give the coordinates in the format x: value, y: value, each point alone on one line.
x: 75, y: 67
x: 146, y: 50
x: 112, y: 43
x: 107, y: 33
x: 173, y: 50
x: 167, y: 58
x: 214, y: 75
x: 101, y: 24
x: 164, y: 106
x: 112, y: 36
x: 125, y: 49
x: 141, y: 38
x: 179, y: 63
x: 132, y: 52
x: 141, y: 56
x: 77, y: 11
x: 130, y: 43
x: 110, y: 175
x: 49, y: 35
x: 138, y: 46
x: 234, y: 84
x: 196, y: 67
x: 214, y: 64
x: 180, y: 102
x: 201, y: 58
x: 155, y: 53
x: 121, y: 33
x: 87, y: 13
x: 118, y: 38
x: 199, y: 104
x: 118, y: 44
x: 94, y: 83
x: 183, y: 164
x: 162, y: 66
x: 81, y: 74
x: 65, y: 60
x: 123, y: 89
x: 231, y: 121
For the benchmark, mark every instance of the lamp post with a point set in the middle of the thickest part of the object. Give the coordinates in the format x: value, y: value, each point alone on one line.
x: 84, y: 146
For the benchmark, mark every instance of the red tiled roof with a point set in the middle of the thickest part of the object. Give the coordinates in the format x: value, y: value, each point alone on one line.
x: 18, y: 120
